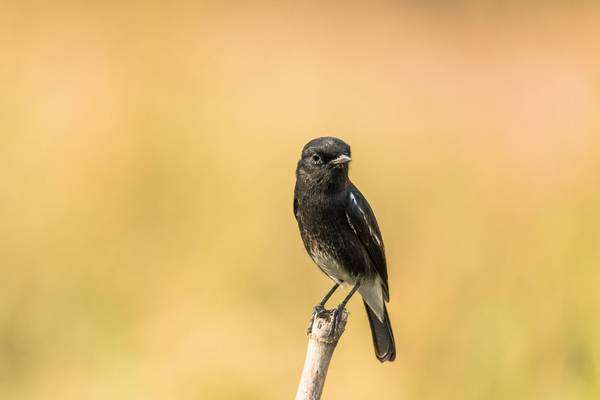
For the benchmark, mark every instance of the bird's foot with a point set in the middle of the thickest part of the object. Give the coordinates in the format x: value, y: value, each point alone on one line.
x: 336, y: 314
x: 318, y: 309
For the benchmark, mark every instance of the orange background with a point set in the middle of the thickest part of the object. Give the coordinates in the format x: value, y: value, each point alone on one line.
x: 147, y: 243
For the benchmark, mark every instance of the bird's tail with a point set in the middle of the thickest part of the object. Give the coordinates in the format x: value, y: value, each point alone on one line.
x: 383, y: 337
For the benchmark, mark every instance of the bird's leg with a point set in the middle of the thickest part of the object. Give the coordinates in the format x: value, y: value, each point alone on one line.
x: 345, y: 301
x: 321, y: 306
x: 327, y: 296
x: 340, y: 308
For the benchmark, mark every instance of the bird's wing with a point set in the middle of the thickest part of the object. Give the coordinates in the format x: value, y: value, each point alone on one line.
x: 295, y: 207
x: 362, y: 221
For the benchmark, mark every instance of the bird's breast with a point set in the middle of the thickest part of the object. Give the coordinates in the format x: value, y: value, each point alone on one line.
x: 326, y: 257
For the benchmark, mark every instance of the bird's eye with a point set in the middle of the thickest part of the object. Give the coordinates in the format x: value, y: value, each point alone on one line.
x: 316, y: 158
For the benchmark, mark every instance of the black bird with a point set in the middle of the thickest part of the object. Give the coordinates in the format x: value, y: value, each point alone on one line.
x: 341, y: 235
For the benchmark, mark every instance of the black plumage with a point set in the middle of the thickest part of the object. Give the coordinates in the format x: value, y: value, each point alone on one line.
x: 340, y: 232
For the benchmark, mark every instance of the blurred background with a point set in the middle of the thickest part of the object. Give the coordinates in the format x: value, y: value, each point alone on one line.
x: 147, y: 244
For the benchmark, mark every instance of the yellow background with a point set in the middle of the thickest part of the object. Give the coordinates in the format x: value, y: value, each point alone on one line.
x: 147, y: 244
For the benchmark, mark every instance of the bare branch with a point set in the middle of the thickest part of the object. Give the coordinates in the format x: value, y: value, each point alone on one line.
x: 324, y: 333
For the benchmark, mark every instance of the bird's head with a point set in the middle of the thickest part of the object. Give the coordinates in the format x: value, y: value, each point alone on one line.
x: 324, y: 162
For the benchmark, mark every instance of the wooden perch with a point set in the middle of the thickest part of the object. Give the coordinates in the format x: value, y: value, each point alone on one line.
x: 324, y: 332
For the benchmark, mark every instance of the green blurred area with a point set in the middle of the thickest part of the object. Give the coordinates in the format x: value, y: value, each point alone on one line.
x: 147, y: 243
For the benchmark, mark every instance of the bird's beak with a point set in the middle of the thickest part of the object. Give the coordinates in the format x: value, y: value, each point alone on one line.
x: 343, y: 159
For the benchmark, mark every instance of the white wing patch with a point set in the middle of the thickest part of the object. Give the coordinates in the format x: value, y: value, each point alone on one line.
x: 371, y: 231
x: 350, y: 223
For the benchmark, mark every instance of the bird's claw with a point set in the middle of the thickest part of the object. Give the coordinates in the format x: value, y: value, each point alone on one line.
x: 335, y: 316
x: 318, y: 309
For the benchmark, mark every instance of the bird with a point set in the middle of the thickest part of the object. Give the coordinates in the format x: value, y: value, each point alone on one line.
x: 341, y: 235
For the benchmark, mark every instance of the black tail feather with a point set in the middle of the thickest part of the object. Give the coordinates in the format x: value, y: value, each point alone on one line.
x: 383, y: 337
